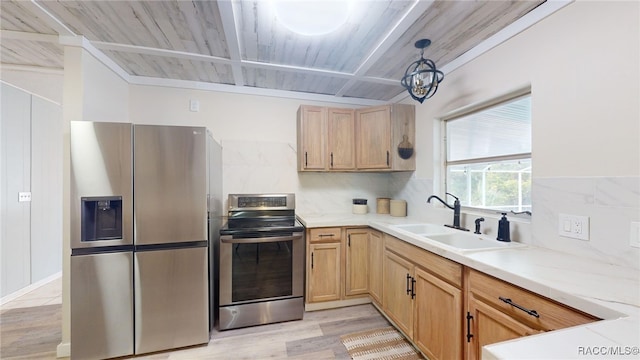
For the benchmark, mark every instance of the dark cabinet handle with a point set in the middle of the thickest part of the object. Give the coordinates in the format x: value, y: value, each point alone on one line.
x: 408, y: 289
x: 387, y: 157
x: 349, y: 240
x: 312, y: 260
x: 325, y: 235
x: 331, y: 159
x: 530, y: 312
x: 305, y: 159
x: 413, y: 288
x: 469, y: 334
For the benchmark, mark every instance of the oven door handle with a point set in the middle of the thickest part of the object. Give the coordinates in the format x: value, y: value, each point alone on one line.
x: 229, y: 240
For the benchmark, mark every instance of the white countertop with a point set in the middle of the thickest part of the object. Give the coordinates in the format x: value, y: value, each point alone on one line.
x: 608, y: 291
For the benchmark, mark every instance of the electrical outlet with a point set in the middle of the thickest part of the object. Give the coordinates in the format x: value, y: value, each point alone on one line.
x: 634, y: 238
x: 24, y: 196
x: 574, y: 226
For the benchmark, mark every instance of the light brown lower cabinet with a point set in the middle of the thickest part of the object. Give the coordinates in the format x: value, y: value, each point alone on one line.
x: 323, y: 272
x: 489, y: 326
x: 498, y: 311
x: 447, y: 310
x: 376, y: 258
x: 337, y: 264
x: 422, y: 296
x: 438, y: 318
x: 357, y: 262
x: 397, y: 301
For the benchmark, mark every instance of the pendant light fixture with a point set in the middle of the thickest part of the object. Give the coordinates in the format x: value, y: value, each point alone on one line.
x: 421, y: 79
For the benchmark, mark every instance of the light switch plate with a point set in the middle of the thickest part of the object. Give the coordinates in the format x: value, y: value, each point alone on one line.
x: 194, y: 105
x: 574, y: 226
x: 634, y: 237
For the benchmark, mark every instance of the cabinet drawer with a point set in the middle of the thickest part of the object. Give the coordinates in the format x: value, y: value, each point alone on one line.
x: 551, y: 315
x: 325, y: 234
x: 447, y: 270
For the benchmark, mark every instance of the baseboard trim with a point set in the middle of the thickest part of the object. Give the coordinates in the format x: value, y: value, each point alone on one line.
x: 16, y: 294
x: 63, y: 350
x: 336, y: 304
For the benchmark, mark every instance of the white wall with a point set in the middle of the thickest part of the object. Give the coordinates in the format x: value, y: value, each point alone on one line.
x: 15, y: 167
x: 31, y: 232
x: 582, y: 66
x: 258, y: 135
x: 47, y: 84
x: 46, y: 189
x: 105, y: 96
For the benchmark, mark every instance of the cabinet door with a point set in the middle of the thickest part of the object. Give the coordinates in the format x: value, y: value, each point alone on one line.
x: 357, y: 262
x: 437, y: 329
x: 376, y: 257
x: 312, y: 138
x: 342, y: 148
x: 373, y: 138
x: 489, y: 326
x: 323, y: 272
x: 396, y: 298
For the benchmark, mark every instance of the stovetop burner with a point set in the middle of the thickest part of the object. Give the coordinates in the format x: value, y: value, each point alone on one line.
x: 261, y: 215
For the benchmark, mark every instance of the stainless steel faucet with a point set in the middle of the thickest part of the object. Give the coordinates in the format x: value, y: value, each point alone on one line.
x: 455, y: 208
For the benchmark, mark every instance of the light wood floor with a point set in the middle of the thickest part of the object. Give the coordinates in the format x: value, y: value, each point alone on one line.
x: 30, y: 329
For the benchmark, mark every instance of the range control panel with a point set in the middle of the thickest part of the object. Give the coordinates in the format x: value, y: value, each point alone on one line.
x: 261, y: 202
x: 252, y: 202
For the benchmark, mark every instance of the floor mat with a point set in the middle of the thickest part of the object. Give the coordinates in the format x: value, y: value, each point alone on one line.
x: 380, y: 344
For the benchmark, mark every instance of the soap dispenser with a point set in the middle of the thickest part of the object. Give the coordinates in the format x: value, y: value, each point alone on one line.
x: 503, y: 229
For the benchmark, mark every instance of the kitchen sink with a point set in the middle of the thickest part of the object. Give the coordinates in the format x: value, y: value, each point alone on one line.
x: 471, y: 242
x: 424, y: 229
x: 455, y: 239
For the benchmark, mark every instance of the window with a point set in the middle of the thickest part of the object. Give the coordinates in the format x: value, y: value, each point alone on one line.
x: 488, y: 156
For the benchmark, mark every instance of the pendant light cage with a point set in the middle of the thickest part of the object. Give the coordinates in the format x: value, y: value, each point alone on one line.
x: 421, y: 79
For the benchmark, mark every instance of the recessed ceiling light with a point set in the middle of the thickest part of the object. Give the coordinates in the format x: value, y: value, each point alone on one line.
x: 312, y: 17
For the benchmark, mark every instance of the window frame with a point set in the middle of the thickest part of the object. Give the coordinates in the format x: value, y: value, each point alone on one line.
x: 467, y: 110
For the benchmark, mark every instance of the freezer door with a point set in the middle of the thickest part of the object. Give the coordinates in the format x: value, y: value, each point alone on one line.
x: 170, y: 184
x: 171, y: 304
x: 102, y: 305
x: 101, y: 171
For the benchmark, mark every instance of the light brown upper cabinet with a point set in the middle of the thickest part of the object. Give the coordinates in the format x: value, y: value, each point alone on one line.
x: 312, y: 138
x: 326, y: 139
x: 385, y: 136
x: 342, y: 147
x: 374, y: 138
x: 370, y: 139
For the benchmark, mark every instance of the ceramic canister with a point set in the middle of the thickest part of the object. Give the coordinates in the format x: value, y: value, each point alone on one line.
x: 382, y: 205
x: 398, y: 207
x: 360, y: 206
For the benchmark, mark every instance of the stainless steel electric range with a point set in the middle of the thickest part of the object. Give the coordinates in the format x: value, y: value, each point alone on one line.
x: 261, y: 261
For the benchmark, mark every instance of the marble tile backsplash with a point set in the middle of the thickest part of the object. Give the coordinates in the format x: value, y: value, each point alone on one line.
x: 268, y: 167
x: 611, y: 203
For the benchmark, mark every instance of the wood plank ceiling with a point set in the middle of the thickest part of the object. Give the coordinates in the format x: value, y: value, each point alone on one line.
x: 241, y: 43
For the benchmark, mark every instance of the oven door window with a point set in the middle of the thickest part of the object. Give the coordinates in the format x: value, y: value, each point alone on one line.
x: 262, y: 270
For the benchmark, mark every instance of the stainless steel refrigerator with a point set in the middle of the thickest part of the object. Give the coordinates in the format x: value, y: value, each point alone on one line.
x: 145, y: 201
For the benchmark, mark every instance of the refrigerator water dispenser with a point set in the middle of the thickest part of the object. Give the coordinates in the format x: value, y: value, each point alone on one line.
x: 101, y: 218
